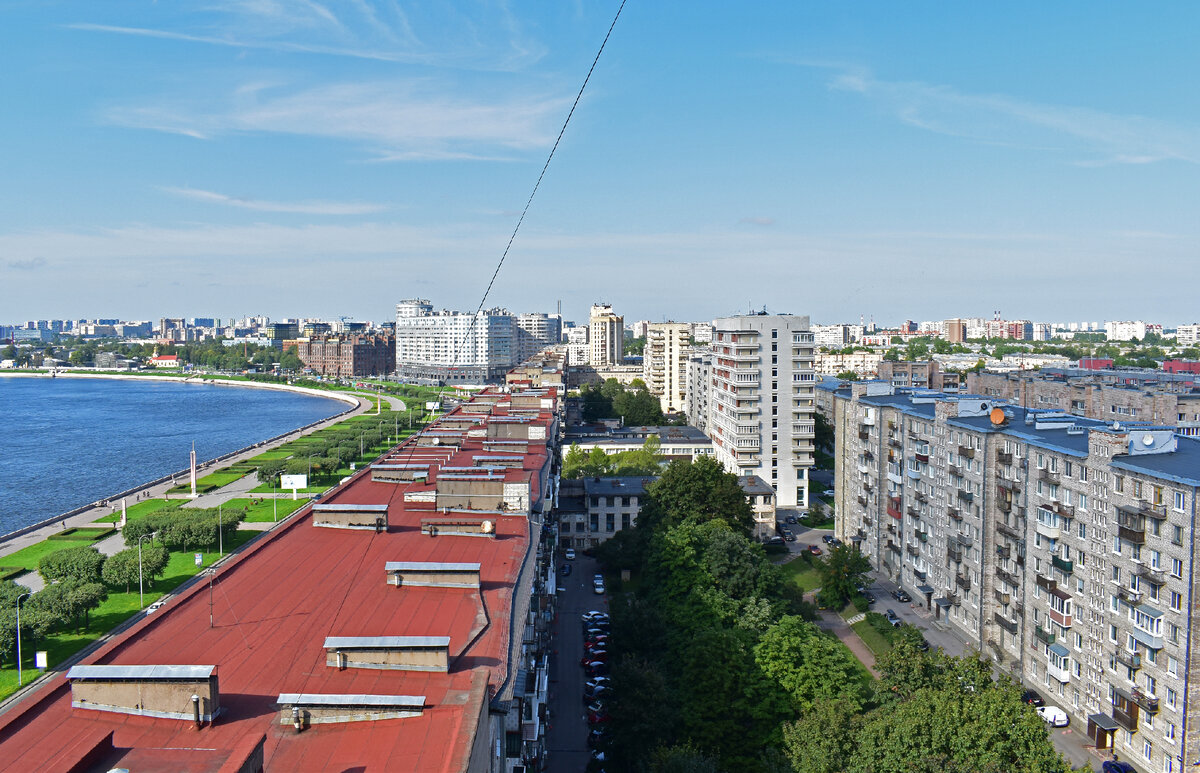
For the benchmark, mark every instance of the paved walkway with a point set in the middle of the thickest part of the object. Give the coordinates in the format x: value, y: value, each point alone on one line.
x: 833, y: 622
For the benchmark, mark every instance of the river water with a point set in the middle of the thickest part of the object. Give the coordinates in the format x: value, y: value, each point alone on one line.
x: 66, y: 442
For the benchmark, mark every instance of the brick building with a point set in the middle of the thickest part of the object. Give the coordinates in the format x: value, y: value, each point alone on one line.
x: 349, y: 355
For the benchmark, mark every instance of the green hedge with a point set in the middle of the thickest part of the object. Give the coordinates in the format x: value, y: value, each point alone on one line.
x: 84, y: 533
x: 11, y: 572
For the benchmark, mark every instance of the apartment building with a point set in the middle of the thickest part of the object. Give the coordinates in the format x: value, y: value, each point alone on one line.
x: 579, y: 349
x: 762, y: 401
x: 664, y: 363
x: 1188, y: 335
x: 927, y: 374
x: 1060, y: 546
x: 536, y: 332
x: 1159, y: 398
x: 348, y: 355
x: 450, y: 346
x: 606, y: 336
x: 698, y: 387
x: 862, y: 364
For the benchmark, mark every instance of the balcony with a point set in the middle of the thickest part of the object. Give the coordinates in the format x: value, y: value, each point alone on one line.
x: 954, y: 553
x: 955, y: 470
x: 1126, y: 719
x: 912, y: 512
x: 1007, y: 531
x: 1129, y: 595
x: 864, y: 434
x: 1002, y: 598
x: 1062, y: 564
x: 1004, y: 504
x: 867, y: 520
x: 1043, y: 635
x: 1131, y: 535
x: 867, y: 455
x: 894, y: 510
x: 923, y: 536
x: 922, y: 458
x: 1055, y: 672
x: 895, y: 443
x: 891, y: 527
x: 1065, y: 511
x: 966, y: 540
x: 1049, y: 477
x: 1005, y: 623
x: 1157, y: 512
x: 954, y: 599
x: 1004, y: 551
x: 862, y: 500
x: 1050, y: 532
x: 963, y: 581
x: 1147, y: 702
x: 954, y: 513
x: 921, y: 497
x: 892, y: 546
x: 1046, y: 583
x: 1152, y: 575
x: 1008, y: 577
x: 966, y: 451
x: 1003, y: 457
x: 1129, y: 659
x: 913, y: 550
x: 966, y: 496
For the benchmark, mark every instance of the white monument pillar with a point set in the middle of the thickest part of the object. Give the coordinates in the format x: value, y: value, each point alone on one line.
x: 193, y: 466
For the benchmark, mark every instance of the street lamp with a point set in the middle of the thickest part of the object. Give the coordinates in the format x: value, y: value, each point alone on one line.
x: 141, y: 600
x: 274, y: 501
x: 23, y: 595
x: 220, y: 531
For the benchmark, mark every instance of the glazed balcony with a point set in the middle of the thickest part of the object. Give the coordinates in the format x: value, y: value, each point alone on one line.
x: 1002, y: 598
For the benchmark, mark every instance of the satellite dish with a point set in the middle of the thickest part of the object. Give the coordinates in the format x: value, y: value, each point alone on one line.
x: 1147, y: 439
x: 997, y: 416
x: 487, y: 527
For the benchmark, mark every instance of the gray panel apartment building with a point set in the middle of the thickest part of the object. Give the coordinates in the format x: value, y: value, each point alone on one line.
x: 1062, y: 547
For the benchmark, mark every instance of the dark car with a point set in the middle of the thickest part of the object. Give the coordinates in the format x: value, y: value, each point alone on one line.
x: 901, y: 595
x: 827, y: 538
x: 870, y: 597
x: 787, y: 534
x: 1115, y: 766
x: 775, y: 541
x: 790, y: 518
x: 835, y: 542
x: 596, y: 739
x: 924, y: 645
x: 1033, y: 699
x: 566, y: 569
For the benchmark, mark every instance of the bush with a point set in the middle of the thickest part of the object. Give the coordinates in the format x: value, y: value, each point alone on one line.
x: 84, y: 533
x: 861, y: 604
x: 881, y: 624
x: 83, y: 563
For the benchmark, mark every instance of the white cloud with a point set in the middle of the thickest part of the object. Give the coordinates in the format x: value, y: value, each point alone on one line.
x: 295, y: 207
x: 1005, y: 120
x: 396, y: 121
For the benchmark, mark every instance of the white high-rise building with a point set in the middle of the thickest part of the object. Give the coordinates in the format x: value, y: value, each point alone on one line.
x: 535, y: 333
x: 664, y: 363
x: 1188, y: 335
x: 762, y: 402
x: 579, y: 351
x: 446, y: 346
x: 607, y: 336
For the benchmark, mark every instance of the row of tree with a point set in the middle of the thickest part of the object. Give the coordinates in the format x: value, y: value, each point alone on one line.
x: 323, y: 455
x: 642, y: 461
x: 717, y: 665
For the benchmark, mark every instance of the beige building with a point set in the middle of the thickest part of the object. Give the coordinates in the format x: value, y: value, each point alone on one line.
x: 762, y: 401
x: 606, y: 337
x: 862, y: 364
x: 665, y: 364
x: 1061, y: 547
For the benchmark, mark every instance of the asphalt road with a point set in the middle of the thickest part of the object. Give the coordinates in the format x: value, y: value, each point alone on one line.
x: 567, y: 750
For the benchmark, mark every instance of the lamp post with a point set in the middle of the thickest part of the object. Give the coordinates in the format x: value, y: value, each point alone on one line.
x: 274, y: 501
x: 19, y: 678
x: 141, y: 599
x: 220, y: 531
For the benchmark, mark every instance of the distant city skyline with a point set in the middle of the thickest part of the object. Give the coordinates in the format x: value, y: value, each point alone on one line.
x: 324, y: 159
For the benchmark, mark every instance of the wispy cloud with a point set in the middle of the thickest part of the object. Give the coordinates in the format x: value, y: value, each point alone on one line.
x: 763, y: 221
x: 1110, y: 138
x: 396, y: 121
x: 291, y: 207
x: 29, y: 264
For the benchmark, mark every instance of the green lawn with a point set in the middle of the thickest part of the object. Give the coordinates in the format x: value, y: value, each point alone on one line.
x: 264, y: 509
x: 143, y: 508
x: 27, y: 558
x: 802, y: 573
x: 872, y: 638
x: 115, y: 610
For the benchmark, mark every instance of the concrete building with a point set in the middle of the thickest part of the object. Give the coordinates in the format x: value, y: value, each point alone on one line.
x: 579, y: 350
x: 1129, y: 330
x: 862, y: 364
x: 761, y: 406
x: 699, y: 387
x: 927, y: 374
x: 450, y: 346
x: 1188, y: 335
x: 1105, y: 395
x: 675, y: 443
x: 1061, y: 547
x: 664, y: 364
x: 535, y: 333
x: 955, y: 330
x: 702, y: 333
x: 606, y: 336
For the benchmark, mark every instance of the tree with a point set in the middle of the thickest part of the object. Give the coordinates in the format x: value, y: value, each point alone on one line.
x: 848, y: 375
x: 291, y: 360
x: 892, y: 355
x: 842, y: 573
x: 808, y: 664
x: 823, y: 739
x: 122, y: 568
x: 823, y: 431
x: 696, y: 491
x: 82, y: 563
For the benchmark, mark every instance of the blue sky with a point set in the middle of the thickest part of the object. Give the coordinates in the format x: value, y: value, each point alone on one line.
x: 311, y: 158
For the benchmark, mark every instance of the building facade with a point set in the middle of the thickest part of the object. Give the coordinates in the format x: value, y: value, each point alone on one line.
x: 1061, y: 547
x: 348, y: 355
x: 449, y: 346
x: 664, y: 364
x: 535, y: 333
x: 762, y: 401
x: 606, y: 336
x: 699, y: 387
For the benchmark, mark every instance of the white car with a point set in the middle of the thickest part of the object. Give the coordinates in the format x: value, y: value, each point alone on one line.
x: 598, y: 588
x: 1053, y: 716
x: 570, y: 554
x: 828, y: 493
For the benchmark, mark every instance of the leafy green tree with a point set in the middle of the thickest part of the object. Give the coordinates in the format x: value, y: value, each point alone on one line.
x: 811, y: 666
x: 823, y: 432
x: 81, y: 563
x: 892, y: 355
x: 696, y: 491
x: 848, y: 375
x: 842, y: 572
x: 683, y: 759
x: 291, y: 360
x: 824, y: 739
x: 122, y: 568
x: 642, y: 710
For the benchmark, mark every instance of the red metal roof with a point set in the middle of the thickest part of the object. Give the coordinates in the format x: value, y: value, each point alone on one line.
x: 273, y: 605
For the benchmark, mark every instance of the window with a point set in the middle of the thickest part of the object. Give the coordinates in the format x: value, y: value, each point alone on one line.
x: 1155, y: 558
x: 1119, y: 483
x: 1176, y: 534
x: 1171, y: 699
x: 1172, y: 666
x: 1112, y: 629
x: 1180, y: 500
x: 610, y: 522
x: 1176, y: 601
x: 1083, y: 474
x: 1176, y: 567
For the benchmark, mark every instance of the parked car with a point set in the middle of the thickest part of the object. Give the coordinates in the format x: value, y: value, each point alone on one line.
x: 570, y: 554
x: 828, y: 493
x: 590, y: 660
x: 598, y: 588
x: 593, y: 615
x: 827, y: 538
x: 596, y: 738
x: 775, y: 541
x: 893, y: 618
x: 870, y: 597
x: 566, y: 569
x: 814, y: 550
x: 924, y: 645
x: 1053, y: 716
x: 789, y: 518
x: 834, y: 542
x: 594, y: 669
x: 901, y: 595
x: 597, y: 577
x: 1116, y: 766
x: 787, y: 534
x: 1032, y: 698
